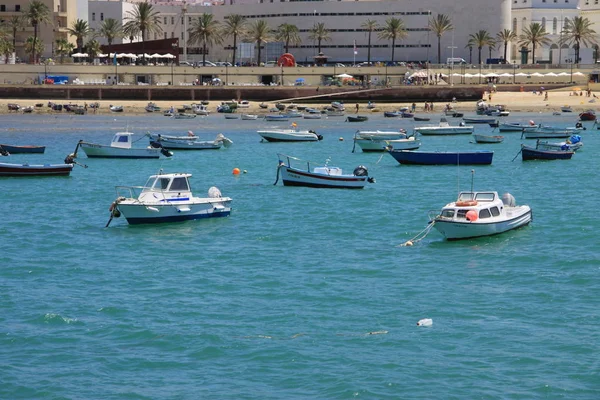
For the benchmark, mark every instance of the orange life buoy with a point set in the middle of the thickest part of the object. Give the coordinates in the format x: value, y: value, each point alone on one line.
x: 466, y: 203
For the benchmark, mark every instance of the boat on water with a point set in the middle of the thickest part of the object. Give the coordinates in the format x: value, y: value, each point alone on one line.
x: 312, y: 116
x: 183, y: 115
x: 444, y: 128
x: 589, y: 115
x: 270, y: 117
x: 9, y: 169
x: 121, y: 147
x: 392, y: 114
x: 476, y: 214
x: 381, y: 135
x: 542, y: 133
x: 27, y: 149
x: 320, y: 177
x: 517, y: 127
x: 232, y: 116
x: 574, y: 143
x: 167, y: 198
x: 533, y: 153
x: 116, y: 108
x: 442, y: 157
x: 358, y: 118
x: 421, y: 119
x: 180, y: 143
x: 497, y: 113
x: 249, y: 117
x: 479, y: 120
x: 379, y: 141
x: 488, y: 138
x: 289, y: 135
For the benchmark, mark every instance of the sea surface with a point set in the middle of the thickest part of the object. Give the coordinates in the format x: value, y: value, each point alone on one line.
x: 301, y: 293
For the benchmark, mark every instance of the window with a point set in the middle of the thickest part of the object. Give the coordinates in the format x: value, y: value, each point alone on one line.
x: 172, y: 35
x: 485, y: 213
x: 514, y: 25
x: 554, y: 26
x: 448, y: 213
x: 181, y: 35
x: 461, y: 214
x: 18, y: 8
x: 179, y: 184
x: 161, y: 183
x: 165, y: 35
x: 172, y: 20
x: 93, y: 16
x: 164, y: 20
x: 544, y: 23
x: 524, y: 24
x: 101, y: 16
x: 495, y: 212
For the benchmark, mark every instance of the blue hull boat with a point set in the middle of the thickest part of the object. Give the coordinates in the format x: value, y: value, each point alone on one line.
x: 442, y: 157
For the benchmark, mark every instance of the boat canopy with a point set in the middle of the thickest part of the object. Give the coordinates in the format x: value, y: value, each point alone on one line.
x: 168, y: 183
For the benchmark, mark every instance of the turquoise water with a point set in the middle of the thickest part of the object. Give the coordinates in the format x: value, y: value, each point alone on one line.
x: 300, y: 293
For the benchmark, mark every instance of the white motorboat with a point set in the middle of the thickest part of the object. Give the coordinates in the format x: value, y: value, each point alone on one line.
x: 517, y: 127
x: 444, y: 128
x: 380, y: 145
x: 244, y: 104
x: 167, y: 198
x: 120, y: 147
x: 231, y: 116
x: 381, y: 135
x: 192, y: 143
x: 115, y: 108
x: 320, y: 177
x: 290, y: 135
x: 476, y: 214
x: 312, y: 116
x: 200, y: 109
x: 152, y: 107
x: 249, y: 117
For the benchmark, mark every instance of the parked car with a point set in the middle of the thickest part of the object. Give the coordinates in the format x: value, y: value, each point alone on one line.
x: 204, y: 64
x: 185, y: 63
x: 339, y: 65
x: 223, y: 64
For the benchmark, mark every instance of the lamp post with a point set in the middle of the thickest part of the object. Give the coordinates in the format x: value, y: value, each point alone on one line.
x: 174, y: 46
x: 570, y: 61
x: 560, y: 38
x: 452, y: 62
x: 427, y: 57
x: 514, y: 73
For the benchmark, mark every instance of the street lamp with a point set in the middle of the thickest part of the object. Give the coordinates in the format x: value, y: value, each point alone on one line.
x: 560, y: 38
x: 452, y: 62
x: 174, y: 46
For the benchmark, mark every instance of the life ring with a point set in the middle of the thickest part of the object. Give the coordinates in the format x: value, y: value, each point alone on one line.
x: 466, y: 203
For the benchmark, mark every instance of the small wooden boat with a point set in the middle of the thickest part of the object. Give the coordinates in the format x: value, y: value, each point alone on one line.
x: 370, y: 145
x: 358, y: 118
x: 192, y: 142
x: 488, y: 138
x: 263, y: 105
x: 12, y: 149
x: 589, y: 115
x: 27, y: 109
x: 320, y: 177
x: 116, y: 108
x: 422, y: 119
x: 249, y: 117
x: 13, y: 107
x: 276, y: 118
x: 533, y: 153
x: 574, y: 143
x: 442, y: 157
x: 547, y: 134
x: 479, y: 120
x: 566, y: 109
x: 312, y: 116
x: 392, y: 114
x: 152, y: 107
x: 232, y: 116
x: 7, y: 169
x: 181, y: 115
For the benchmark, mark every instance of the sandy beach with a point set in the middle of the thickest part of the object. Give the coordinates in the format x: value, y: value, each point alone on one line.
x: 514, y: 101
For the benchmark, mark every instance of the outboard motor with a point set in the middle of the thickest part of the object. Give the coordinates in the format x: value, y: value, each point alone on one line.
x: 4, y: 152
x: 155, y: 145
x: 165, y: 152
x: 319, y: 137
x: 361, y: 170
x: 508, y: 200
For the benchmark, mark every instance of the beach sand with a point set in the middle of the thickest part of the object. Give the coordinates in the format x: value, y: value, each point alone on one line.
x: 514, y: 101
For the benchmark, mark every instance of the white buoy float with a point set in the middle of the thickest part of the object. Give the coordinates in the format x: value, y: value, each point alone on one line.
x: 425, y: 322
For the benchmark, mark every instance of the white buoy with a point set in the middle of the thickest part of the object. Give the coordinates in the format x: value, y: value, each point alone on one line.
x: 425, y: 322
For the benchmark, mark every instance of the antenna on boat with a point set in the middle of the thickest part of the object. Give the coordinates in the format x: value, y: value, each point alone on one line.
x: 472, y: 177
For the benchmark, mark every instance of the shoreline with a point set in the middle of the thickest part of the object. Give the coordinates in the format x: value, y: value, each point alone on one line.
x: 514, y: 101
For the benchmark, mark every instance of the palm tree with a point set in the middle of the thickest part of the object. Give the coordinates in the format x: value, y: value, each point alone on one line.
x: 440, y: 25
x: 288, y: 33
x: 34, y: 46
x: 235, y: 25
x: 491, y: 46
x: 480, y: 39
x: 63, y: 48
x: 5, y: 46
x: 506, y: 36
x: 534, y: 35
x: 369, y: 25
x: 259, y: 32
x: 80, y: 29
x: 93, y: 48
x: 578, y: 30
x: 392, y: 30
x: 110, y: 29
x: 319, y: 34
x: 205, y: 30
x: 470, y: 47
x: 15, y: 23
x: 36, y: 13
x: 144, y: 20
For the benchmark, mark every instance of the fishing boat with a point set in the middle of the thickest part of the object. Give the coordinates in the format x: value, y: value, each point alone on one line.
x: 392, y: 114
x: 29, y: 149
x: 178, y: 143
x: 589, y: 115
x: 334, y: 113
x: 121, y: 147
x: 478, y: 120
x: 421, y: 119
x: 116, y: 108
x: 358, y: 118
x: 541, y: 133
x: 381, y: 135
x: 517, y: 127
x: 442, y: 157
x: 574, y: 143
x: 249, y: 117
x: 444, y: 128
x: 566, y: 109
x: 8, y: 169
x: 379, y: 145
x: 476, y: 214
x: 183, y: 115
x: 152, y: 107
x: 232, y: 116
x: 271, y: 118
x: 200, y: 109
x: 488, y: 138
x: 453, y: 113
x: 290, y: 135
x: 167, y: 198
x: 312, y: 116
x: 533, y: 153
x: 293, y: 114
x: 320, y: 177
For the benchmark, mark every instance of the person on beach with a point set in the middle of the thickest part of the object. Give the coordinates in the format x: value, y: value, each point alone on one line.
x: 357, y: 106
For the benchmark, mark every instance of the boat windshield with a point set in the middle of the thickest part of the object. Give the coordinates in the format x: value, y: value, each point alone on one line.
x: 465, y: 196
x: 487, y: 196
x: 157, y: 183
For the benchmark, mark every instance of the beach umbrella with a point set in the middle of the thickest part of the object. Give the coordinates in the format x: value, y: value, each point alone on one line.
x: 521, y: 74
x: 343, y: 76
x: 578, y: 73
x: 101, y: 55
x: 505, y: 75
x: 536, y: 74
x: 551, y: 74
x: 563, y: 74
x: 79, y: 55
x: 491, y: 75
x: 156, y: 55
x: 167, y: 56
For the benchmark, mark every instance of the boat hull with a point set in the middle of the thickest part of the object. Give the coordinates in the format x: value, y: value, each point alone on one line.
x: 23, y: 149
x: 529, y: 154
x: 547, y: 135
x: 488, y: 139
x: 458, y: 130
x: 7, y: 169
x: 442, y: 158
x: 379, y: 145
x: 149, y: 213
x: 292, y: 136
x: 101, y: 151
x: 453, y: 230
x: 295, y: 177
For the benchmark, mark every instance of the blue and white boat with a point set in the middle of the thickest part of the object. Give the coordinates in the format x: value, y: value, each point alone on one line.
x: 167, y: 198
x: 281, y: 117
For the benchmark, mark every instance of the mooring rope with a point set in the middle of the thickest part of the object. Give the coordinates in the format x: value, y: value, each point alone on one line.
x: 417, y: 238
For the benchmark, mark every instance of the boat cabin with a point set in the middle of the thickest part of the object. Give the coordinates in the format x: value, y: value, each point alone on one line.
x: 122, y: 140
x: 484, y: 204
x: 169, y: 187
